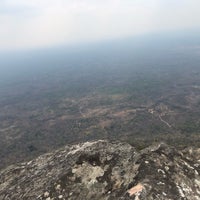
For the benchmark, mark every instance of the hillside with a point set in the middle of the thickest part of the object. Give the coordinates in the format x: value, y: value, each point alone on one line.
x: 106, y: 170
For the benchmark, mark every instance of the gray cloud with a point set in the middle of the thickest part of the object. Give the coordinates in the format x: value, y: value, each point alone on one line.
x: 40, y: 23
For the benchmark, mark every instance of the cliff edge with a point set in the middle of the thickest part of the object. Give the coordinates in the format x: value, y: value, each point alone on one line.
x: 103, y: 170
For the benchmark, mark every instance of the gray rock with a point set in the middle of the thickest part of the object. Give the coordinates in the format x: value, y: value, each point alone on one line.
x: 103, y: 170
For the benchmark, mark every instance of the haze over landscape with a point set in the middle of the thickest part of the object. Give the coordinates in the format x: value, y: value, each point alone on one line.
x: 46, y: 23
x: 99, y: 99
x: 74, y: 71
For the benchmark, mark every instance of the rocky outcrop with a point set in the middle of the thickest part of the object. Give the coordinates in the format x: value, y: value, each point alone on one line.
x: 103, y: 170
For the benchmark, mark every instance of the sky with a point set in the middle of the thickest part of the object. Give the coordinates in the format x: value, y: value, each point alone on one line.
x: 26, y: 24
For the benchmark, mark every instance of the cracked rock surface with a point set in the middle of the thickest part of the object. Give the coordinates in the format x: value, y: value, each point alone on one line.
x: 103, y: 170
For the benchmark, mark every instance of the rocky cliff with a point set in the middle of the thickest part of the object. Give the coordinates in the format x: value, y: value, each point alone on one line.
x: 103, y: 170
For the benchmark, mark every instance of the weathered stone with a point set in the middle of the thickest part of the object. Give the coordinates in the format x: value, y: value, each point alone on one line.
x: 103, y: 170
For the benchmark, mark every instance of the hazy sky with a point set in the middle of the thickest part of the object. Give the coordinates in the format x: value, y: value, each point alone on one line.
x: 41, y: 23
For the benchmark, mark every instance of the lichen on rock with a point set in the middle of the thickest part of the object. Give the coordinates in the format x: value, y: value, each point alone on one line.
x: 103, y: 170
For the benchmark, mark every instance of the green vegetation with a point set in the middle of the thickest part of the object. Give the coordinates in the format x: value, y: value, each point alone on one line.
x: 158, y: 101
